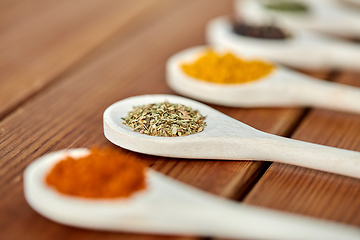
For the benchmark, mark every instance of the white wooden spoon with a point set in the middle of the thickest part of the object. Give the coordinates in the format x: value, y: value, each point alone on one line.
x: 355, y: 3
x: 224, y: 138
x: 324, y: 15
x: 167, y: 206
x: 282, y: 87
x: 303, y: 49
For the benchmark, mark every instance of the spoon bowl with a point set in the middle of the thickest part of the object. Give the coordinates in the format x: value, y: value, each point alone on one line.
x: 224, y: 138
x: 167, y: 206
x: 304, y: 49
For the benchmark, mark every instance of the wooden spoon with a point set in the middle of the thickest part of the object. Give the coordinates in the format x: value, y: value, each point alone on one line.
x: 224, y: 138
x: 330, y: 16
x: 282, y: 87
x: 167, y: 206
x: 304, y: 49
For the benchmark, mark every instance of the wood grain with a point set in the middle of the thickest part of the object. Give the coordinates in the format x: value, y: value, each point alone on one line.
x: 311, y: 192
x: 59, y: 115
x: 52, y: 37
x: 12, y: 11
x: 68, y: 113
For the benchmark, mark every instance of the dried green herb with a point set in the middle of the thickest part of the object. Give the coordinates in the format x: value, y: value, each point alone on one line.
x: 165, y: 120
x: 287, y: 5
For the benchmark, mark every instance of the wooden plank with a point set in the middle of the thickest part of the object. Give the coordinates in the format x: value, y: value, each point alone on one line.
x: 25, y: 223
x: 52, y: 37
x: 69, y: 114
x: 312, y: 192
x: 11, y: 11
x: 85, y: 85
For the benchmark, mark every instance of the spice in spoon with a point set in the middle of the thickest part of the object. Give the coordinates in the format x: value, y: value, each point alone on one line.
x: 165, y: 120
x: 226, y: 68
x: 102, y: 174
x: 264, y: 32
x: 287, y: 6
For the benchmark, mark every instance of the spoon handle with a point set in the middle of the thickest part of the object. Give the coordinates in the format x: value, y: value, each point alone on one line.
x: 323, y: 94
x: 304, y: 154
x: 344, y: 55
x: 248, y: 222
x: 188, y: 210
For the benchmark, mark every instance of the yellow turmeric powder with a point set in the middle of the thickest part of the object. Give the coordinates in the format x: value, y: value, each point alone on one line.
x: 226, y: 68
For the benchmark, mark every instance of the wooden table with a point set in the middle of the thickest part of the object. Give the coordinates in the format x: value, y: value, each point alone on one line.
x: 62, y: 63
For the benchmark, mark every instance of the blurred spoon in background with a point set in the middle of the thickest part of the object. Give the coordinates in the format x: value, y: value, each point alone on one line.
x: 303, y: 49
x: 281, y: 88
x: 328, y: 16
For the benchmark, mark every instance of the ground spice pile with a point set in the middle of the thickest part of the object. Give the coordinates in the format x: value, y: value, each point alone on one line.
x: 165, y: 120
x: 102, y: 174
x: 265, y: 32
x: 287, y: 6
x: 226, y: 68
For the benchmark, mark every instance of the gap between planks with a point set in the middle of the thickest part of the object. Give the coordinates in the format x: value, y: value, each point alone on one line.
x: 138, y: 12
x: 310, y: 192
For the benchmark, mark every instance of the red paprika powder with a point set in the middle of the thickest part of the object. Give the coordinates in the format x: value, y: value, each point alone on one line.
x: 102, y: 174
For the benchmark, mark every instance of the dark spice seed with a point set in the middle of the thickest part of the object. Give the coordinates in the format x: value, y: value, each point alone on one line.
x: 265, y: 32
